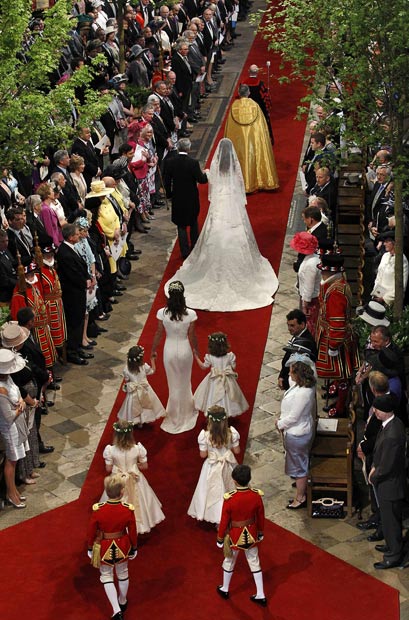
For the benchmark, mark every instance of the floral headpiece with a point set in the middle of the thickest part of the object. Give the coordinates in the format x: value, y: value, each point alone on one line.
x: 119, y: 429
x: 300, y: 357
x: 176, y: 286
x: 216, y: 416
x: 138, y: 356
x: 217, y: 338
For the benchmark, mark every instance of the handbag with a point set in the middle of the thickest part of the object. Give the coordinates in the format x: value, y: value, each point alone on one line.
x: 124, y: 266
x: 328, y: 508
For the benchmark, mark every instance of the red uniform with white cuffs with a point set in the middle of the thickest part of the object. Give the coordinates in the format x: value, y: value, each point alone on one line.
x: 110, y: 518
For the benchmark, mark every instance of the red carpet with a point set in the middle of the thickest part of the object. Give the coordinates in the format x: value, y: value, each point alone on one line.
x: 45, y: 568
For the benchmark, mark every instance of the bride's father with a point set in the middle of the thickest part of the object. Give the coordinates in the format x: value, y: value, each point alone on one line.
x: 181, y: 176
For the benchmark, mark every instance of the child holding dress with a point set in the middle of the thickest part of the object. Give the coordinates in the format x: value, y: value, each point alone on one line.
x: 218, y: 445
x: 220, y: 386
x: 128, y: 458
x: 141, y: 404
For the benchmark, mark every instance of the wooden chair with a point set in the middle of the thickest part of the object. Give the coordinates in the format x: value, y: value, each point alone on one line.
x: 331, y: 466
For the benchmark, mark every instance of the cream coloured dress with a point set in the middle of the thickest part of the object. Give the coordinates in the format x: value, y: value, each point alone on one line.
x: 141, y: 404
x: 220, y: 386
x: 148, y: 509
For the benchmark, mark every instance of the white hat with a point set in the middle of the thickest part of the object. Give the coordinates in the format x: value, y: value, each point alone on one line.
x: 10, y: 362
x: 373, y: 313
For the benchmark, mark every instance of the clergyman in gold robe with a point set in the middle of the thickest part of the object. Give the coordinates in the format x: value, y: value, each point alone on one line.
x: 246, y: 127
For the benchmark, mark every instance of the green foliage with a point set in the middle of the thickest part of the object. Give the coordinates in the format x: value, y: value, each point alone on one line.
x: 27, y: 99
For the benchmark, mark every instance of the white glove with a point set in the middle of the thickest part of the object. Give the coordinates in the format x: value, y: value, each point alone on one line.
x: 133, y: 556
x: 219, y: 544
x: 333, y: 352
x: 89, y: 554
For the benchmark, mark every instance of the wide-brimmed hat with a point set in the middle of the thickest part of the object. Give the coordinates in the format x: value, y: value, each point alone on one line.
x: 136, y: 51
x: 98, y: 189
x: 93, y: 45
x: 118, y: 169
x: 119, y: 79
x: 386, y: 361
x: 300, y: 357
x: 304, y: 243
x: 110, y: 29
x: 333, y: 263
x: 12, y: 334
x: 386, y: 234
x: 298, y: 348
x: 10, y: 362
x: 373, y: 313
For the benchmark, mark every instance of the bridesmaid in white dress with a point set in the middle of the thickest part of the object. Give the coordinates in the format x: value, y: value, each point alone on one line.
x: 217, y: 445
x: 128, y: 458
x: 178, y: 322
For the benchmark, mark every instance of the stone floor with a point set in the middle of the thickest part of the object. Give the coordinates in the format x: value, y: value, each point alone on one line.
x: 75, y: 423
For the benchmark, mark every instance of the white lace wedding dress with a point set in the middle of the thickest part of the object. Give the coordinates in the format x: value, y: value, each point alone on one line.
x: 225, y: 271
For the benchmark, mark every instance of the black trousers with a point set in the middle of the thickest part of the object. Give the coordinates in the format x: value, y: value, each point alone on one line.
x: 185, y: 247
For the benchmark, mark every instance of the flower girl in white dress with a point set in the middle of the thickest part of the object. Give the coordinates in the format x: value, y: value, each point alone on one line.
x: 218, y: 445
x: 220, y: 386
x: 141, y: 404
x: 128, y: 458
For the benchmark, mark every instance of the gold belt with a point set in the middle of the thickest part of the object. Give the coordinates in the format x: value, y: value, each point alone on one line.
x: 111, y: 535
x: 242, y: 523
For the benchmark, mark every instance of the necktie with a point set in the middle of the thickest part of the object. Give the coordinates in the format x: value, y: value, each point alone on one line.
x: 24, y: 240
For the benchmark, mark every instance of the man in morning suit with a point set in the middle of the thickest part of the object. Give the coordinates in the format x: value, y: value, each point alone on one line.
x: 83, y: 146
x: 388, y: 477
x: 300, y: 337
x: 181, y: 176
x: 73, y: 274
x: 242, y: 522
x: 8, y: 274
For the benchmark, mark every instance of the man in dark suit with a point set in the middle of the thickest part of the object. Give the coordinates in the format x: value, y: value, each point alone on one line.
x: 326, y: 188
x: 17, y: 241
x: 378, y: 202
x: 147, y: 10
x: 8, y: 274
x: 83, y: 146
x: 73, y: 274
x: 181, y: 176
x: 184, y: 73
x: 62, y: 162
x: 312, y: 219
x: 301, y: 338
x: 388, y: 477
x: 317, y: 143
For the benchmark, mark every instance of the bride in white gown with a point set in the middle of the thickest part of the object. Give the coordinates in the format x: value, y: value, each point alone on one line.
x: 225, y: 270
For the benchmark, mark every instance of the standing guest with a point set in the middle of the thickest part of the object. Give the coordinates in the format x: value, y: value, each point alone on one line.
x: 33, y: 210
x: 127, y: 458
x: 141, y: 404
x: 11, y: 407
x: 17, y: 240
x: 143, y: 161
x: 77, y: 166
x: 50, y: 284
x: 113, y: 525
x: 28, y: 292
x: 241, y: 528
x: 296, y: 422
x: 47, y: 215
x: 317, y: 144
x: 83, y: 249
x: 178, y: 322
x: 220, y: 386
x: 388, y: 477
x: 8, y: 273
x: 309, y: 277
x: 312, y: 217
x: 325, y: 187
x: 300, y: 337
x: 384, y: 287
x: 62, y: 163
x: 184, y: 73
x: 83, y: 147
x: 218, y: 445
x: 181, y: 176
x: 73, y: 274
x: 247, y: 129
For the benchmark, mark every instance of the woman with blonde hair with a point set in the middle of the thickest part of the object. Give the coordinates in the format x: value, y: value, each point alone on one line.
x: 77, y: 166
x: 217, y: 445
x: 128, y: 458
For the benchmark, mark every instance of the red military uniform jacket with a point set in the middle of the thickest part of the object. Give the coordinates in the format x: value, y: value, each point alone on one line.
x: 53, y: 301
x: 242, y: 517
x: 108, y: 518
x: 334, y: 331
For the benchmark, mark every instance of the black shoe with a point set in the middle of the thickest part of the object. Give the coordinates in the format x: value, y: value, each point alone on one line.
x: 41, y: 465
x: 191, y: 119
x: 93, y: 343
x: 102, y: 330
x: 387, y: 564
x: 161, y: 203
x: 259, y: 601
x: 102, y: 317
x: 382, y: 548
x: 43, y: 410
x: 223, y: 60
x: 118, y: 616
x: 113, y: 301
x: 135, y: 251
x: 375, y: 537
x: 222, y: 593
x: 53, y: 386
x: 123, y: 606
x: 87, y: 347
x: 84, y: 355
x: 50, y: 403
x: 117, y: 293
x: 121, y: 288
x: 367, y: 525
x: 57, y: 379
x: 76, y: 359
x: 45, y: 449
x: 132, y: 256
